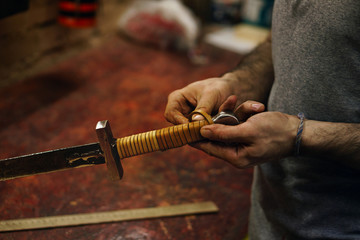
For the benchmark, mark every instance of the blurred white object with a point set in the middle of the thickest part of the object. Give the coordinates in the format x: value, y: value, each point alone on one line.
x: 242, y: 38
x: 165, y: 23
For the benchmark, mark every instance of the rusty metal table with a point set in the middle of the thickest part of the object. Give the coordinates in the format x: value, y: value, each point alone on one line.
x: 127, y: 84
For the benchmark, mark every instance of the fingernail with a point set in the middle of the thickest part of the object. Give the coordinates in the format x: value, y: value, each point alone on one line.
x: 256, y: 106
x: 197, y: 117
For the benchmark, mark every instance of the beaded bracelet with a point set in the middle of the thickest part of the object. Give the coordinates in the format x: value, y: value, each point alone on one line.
x: 301, y: 116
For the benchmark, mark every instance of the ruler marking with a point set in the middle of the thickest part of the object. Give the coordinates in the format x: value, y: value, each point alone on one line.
x: 110, y: 216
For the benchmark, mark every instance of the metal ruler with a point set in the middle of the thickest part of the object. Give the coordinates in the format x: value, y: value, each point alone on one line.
x: 110, y: 216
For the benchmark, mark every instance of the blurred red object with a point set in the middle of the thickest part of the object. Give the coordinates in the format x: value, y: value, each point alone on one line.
x: 77, y: 13
x: 154, y: 29
x: 167, y: 24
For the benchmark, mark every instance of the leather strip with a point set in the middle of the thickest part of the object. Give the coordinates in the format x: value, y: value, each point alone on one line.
x: 202, y: 113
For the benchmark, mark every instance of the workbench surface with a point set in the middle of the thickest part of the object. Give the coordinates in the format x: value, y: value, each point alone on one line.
x: 128, y: 85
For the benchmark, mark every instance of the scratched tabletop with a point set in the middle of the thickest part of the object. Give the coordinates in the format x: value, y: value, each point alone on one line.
x: 128, y: 85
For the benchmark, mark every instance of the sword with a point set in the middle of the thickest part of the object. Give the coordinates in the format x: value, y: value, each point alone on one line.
x: 110, y: 150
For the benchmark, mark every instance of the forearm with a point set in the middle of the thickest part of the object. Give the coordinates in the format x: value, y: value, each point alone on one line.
x: 332, y: 140
x: 254, y: 75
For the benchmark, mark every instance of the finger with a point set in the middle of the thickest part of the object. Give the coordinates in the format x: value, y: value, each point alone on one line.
x: 197, y: 117
x: 176, y: 117
x: 235, y: 155
x: 215, y: 150
x: 208, y: 102
x: 229, y: 104
x: 227, y: 133
x: 247, y: 109
x: 176, y: 108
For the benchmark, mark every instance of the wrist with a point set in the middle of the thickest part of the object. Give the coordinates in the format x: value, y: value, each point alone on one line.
x: 310, y: 137
x: 292, y: 130
x: 299, y: 133
x: 242, y: 84
x: 237, y: 75
x: 230, y: 77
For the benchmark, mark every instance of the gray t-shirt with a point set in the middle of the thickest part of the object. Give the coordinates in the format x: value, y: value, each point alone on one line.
x: 316, y: 56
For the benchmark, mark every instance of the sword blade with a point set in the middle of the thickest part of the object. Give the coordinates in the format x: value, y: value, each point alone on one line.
x: 91, y: 154
x: 50, y: 161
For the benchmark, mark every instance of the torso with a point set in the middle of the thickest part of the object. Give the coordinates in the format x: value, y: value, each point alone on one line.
x: 316, y: 56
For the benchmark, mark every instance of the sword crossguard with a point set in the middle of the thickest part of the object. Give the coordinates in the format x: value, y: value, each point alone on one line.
x: 108, y: 146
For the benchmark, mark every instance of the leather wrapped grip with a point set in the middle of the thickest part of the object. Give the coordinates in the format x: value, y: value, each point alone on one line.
x: 162, y: 139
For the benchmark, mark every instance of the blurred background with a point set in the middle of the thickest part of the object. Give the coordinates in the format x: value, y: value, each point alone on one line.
x: 35, y: 34
x: 67, y: 64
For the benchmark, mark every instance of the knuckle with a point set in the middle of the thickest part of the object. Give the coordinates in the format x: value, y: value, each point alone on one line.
x: 174, y: 94
x: 170, y: 116
x: 242, y: 163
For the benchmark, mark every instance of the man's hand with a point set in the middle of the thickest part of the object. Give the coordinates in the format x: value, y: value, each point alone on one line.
x: 207, y: 95
x: 251, y: 79
x: 263, y: 137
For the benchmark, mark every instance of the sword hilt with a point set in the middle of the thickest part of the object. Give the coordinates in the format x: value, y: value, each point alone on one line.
x: 162, y: 139
x: 151, y: 141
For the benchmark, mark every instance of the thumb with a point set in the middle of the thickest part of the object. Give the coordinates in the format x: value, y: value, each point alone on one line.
x: 221, y: 133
